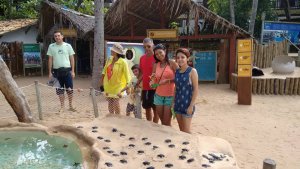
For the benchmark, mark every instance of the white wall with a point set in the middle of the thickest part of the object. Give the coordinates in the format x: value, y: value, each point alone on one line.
x: 21, y: 36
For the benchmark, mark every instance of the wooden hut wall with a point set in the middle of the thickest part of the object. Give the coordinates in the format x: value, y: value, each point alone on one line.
x: 13, y: 57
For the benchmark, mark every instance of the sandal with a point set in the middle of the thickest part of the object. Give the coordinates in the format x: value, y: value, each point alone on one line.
x: 72, y: 109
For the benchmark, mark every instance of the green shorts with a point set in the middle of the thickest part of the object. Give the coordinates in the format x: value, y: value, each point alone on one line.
x: 163, y: 100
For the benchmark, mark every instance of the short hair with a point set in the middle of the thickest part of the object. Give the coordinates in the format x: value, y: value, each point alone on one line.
x: 58, y: 31
x: 147, y: 40
x: 135, y: 66
x: 185, y: 51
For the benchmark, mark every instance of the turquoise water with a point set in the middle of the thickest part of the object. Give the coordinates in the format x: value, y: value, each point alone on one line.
x: 37, y: 150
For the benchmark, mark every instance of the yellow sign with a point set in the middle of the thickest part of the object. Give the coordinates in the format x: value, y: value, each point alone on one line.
x: 245, y: 45
x: 68, y: 32
x: 244, y: 70
x: 162, y: 33
x: 244, y: 58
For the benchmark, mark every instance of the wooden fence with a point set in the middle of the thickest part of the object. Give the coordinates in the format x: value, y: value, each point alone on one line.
x: 264, y: 54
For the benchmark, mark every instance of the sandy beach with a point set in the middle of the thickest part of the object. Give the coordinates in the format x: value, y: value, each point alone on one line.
x: 269, y: 128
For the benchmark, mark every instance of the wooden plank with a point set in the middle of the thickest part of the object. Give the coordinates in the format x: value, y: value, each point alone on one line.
x: 287, y: 84
x: 244, y: 90
x: 291, y: 87
x: 263, y: 86
x: 295, y: 92
x: 281, y: 86
x: 272, y: 86
x: 299, y: 88
x: 267, y: 91
x: 276, y: 86
x: 254, y: 85
x: 259, y: 81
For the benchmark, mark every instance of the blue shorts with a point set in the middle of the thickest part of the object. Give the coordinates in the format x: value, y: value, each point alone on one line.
x: 184, y: 113
x: 65, y: 82
x: 163, y: 100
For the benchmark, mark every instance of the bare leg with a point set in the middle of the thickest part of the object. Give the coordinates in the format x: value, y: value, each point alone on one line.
x: 180, y: 121
x: 62, y: 100
x: 117, y: 106
x: 156, y: 117
x: 186, y: 124
x: 70, y: 97
x: 110, y: 105
x: 166, y: 115
x: 148, y: 114
x: 159, y: 110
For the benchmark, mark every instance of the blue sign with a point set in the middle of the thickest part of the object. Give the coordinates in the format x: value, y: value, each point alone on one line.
x: 278, y: 31
x: 206, y: 65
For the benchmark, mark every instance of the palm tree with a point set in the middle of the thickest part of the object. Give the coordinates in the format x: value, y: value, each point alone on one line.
x: 253, y: 16
x: 231, y: 4
x: 98, y: 58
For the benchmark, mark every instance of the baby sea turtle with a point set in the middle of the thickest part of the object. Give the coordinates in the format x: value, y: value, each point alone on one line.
x: 107, y: 140
x: 94, y: 127
x: 108, y: 164
x: 76, y: 164
x: 186, y: 143
x: 146, y: 163
x: 79, y: 127
x: 123, y: 153
x: 116, y: 155
x: 168, y: 141
x: 144, y: 138
x: 94, y: 131
x: 140, y: 152
x: 110, y: 151
x: 155, y: 147
x: 131, y: 145
x: 99, y: 137
x: 169, y: 165
x: 182, y: 157
x: 114, y: 130
x: 105, y: 148
x: 65, y: 146
x: 122, y: 135
x: 184, y: 150
x: 131, y: 138
x: 171, y: 145
x: 190, y: 160
x: 150, y: 167
x: 160, y: 155
x: 147, y: 143
x: 205, y: 165
x: 123, y: 161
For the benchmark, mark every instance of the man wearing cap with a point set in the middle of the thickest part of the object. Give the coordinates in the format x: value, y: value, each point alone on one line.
x: 115, y: 76
x: 146, y: 66
x: 61, y: 66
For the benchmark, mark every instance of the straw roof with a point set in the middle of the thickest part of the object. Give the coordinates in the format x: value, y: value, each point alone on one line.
x: 12, y: 25
x: 146, y: 14
x: 82, y: 22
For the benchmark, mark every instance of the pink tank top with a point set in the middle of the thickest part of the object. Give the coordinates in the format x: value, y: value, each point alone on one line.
x: 168, y: 74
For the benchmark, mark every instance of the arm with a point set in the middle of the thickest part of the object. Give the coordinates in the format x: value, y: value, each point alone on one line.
x: 50, y: 61
x: 194, y: 78
x: 72, y: 65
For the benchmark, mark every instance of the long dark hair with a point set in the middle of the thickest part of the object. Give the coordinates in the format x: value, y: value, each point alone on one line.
x: 161, y: 46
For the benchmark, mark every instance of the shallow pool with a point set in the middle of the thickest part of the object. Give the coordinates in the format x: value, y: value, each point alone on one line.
x: 37, y: 150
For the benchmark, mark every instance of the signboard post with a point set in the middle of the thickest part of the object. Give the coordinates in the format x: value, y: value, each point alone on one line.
x: 32, y: 57
x: 245, y: 48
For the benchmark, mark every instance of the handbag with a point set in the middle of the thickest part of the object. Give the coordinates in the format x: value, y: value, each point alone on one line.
x: 155, y: 85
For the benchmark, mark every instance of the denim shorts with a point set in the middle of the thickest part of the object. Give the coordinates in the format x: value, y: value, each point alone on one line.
x: 163, y: 100
x: 184, y: 113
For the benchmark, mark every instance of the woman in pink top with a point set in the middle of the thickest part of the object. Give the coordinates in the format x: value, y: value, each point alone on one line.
x: 162, y: 78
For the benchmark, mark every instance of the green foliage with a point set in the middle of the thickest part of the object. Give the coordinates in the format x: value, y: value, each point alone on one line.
x: 174, y: 25
x: 242, y: 12
x: 86, y: 7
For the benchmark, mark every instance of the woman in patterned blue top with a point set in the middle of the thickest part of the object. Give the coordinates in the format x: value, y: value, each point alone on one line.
x: 186, y: 90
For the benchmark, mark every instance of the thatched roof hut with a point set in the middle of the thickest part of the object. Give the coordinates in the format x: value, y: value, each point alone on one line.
x: 157, y: 14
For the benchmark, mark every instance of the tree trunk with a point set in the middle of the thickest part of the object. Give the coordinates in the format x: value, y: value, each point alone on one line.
x: 287, y: 9
x: 9, y: 9
x: 14, y: 96
x: 98, y: 59
x: 253, y: 16
x: 232, y: 17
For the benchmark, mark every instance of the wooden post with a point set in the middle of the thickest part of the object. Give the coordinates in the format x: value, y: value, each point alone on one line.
x: 92, y: 90
x: 38, y: 97
x: 232, y: 60
x: 254, y: 85
x: 269, y: 164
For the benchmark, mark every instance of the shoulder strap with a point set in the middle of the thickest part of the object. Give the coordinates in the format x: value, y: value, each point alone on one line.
x: 162, y: 73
